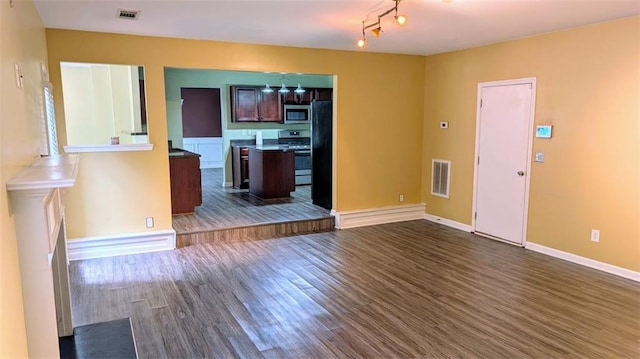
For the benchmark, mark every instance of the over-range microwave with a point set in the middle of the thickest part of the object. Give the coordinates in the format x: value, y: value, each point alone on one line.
x: 297, y: 113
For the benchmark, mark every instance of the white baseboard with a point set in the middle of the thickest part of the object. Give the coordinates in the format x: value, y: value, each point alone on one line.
x: 227, y: 184
x: 370, y: 217
x: 121, y: 244
x: 587, y: 262
x: 448, y: 222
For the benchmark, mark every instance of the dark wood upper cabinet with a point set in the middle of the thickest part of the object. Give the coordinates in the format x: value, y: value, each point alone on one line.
x: 309, y: 95
x: 270, y: 106
x: 294, y: 98
x: 250, y: 104
x: 322, y: 94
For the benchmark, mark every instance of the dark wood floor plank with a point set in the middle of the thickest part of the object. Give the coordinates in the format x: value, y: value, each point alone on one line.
x: 404, y: 290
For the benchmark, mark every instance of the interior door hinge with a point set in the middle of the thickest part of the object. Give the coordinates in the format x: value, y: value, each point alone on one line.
x: 478, y: 160
x: 480, y: 103
x: 475, y: 215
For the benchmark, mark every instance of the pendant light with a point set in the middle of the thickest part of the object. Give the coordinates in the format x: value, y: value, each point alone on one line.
x: 283, y: 89
x: 299, y: 90
x: 267, y: 89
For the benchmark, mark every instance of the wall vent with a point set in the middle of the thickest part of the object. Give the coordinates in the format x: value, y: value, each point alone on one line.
x: 440, y: 177
x: 128, y: 14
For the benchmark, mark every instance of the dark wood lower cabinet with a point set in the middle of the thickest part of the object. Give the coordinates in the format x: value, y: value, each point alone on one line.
x: 272, y: 173
x: 240, y: 166
x: 186, y: 182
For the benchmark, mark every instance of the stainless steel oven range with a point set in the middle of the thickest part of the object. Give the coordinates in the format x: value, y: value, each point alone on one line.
x: 300, y: 141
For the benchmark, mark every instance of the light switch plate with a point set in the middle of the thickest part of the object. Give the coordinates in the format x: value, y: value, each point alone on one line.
x: 19, y: 80
x: 539, y: 157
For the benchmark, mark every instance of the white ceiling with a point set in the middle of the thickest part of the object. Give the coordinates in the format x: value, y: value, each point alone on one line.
x: 433, y: 26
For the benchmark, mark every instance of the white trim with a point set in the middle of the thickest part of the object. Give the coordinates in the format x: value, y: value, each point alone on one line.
x: 120, y: 244
x: 108, y: 148
x: 498, y: 239
x: 448, y: 222
x: 370, y: 217
x: 529, y: 80
x: 227, y: 184
x: 587, y: 262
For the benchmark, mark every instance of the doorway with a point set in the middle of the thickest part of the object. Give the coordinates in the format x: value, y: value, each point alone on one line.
x: 504, y: 129
x: 222, y: 205
x: 202, y: 126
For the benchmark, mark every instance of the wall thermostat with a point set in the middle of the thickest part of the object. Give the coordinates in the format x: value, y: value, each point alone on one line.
x: 543, y: 131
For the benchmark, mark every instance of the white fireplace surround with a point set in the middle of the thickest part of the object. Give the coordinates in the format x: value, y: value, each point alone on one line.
x: 37, y: 203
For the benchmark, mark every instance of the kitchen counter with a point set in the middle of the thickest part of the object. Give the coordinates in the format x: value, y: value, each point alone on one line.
x: 179, y: 152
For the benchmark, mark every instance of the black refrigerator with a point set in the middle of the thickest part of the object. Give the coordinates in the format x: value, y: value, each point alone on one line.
x: 321, y: 152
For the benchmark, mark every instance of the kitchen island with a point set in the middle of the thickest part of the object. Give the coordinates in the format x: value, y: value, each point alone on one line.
x: 272, y: 169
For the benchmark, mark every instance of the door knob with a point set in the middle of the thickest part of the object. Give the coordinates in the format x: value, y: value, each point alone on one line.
x: 520, y: 173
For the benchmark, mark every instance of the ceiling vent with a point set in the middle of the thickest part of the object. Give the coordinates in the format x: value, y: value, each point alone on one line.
x: 128, y: 14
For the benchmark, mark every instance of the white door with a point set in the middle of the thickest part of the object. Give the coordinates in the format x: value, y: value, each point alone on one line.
x: 503, y: 148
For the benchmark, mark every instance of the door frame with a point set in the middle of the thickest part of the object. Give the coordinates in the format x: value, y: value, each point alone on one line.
x: 481, y: 86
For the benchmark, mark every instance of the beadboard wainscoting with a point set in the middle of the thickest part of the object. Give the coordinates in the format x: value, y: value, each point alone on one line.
x: 370, y: 217
x: 210, y: 148
x: 121, y: 244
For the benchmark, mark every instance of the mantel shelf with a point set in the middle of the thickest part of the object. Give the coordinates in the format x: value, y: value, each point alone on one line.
x: 45, y: 173
x: 108, y: 148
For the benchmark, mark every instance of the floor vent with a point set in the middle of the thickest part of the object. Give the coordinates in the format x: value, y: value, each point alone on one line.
x: 128, y: 14
x: 440, y: 175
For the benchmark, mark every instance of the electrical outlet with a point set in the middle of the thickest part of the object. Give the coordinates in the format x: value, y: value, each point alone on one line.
x: 595, y: 235
x: 401, y: 198
x: 149, y: 222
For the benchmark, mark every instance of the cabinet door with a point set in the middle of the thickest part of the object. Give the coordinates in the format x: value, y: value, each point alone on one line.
x: 245, y: 104
x: 270, y: 107
x: 294, y: 98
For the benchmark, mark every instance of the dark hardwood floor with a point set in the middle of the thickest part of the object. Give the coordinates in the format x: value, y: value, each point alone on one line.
x: 405, y: 290
x: 225, y: 207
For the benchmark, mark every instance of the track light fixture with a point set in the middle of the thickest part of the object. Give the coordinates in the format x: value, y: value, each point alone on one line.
x: 376, y: 27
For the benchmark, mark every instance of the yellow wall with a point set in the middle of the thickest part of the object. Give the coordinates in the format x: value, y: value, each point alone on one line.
x: 588, y: 88
x: 22, y: 41
x: 379, y: 124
